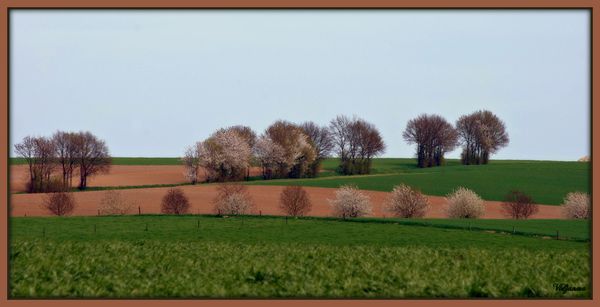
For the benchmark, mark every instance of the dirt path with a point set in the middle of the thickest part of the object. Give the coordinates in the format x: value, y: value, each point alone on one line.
x: 119, y: 175
x: 265, y: 197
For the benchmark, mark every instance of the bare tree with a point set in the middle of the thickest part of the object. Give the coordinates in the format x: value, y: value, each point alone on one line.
x: 482, y: 134
x: 92, y: 157
x: 59, y: 203
x: 38, y: 152
x: 191, y: 162
x: 356, y: 142
x: 294, y: 201
x: 320, y: 138
x: 434, y: 137
x: 66, y: 155
x: 519, y: 205
x: 175, y: 202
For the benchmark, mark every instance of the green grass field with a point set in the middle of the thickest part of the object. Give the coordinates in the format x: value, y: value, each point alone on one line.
x: 204, y: 256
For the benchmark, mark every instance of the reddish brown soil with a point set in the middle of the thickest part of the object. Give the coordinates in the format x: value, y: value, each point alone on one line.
x: 265, y: 197
x: 119, y: 175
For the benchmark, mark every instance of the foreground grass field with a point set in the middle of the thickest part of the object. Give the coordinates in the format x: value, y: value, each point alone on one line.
x: 202, y: 256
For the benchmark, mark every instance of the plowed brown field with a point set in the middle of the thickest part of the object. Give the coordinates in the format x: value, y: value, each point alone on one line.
x: 265, y: 197
x: 119, y: 175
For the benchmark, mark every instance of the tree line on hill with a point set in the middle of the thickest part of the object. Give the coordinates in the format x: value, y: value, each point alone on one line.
x: 289, y: 150
x: 283, y: 150
x: 67, y: 153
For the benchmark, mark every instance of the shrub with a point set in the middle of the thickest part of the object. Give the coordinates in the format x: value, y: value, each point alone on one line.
x: 233, y: 199
x: 175, y: 202
x: 113, y: 203
x: 576, y: 205
x: 464, y: 203
x: 350, y: 202
x: 405, y: 201
x: 519, y: 205
x: 294, y: 201
x: 59, y: 203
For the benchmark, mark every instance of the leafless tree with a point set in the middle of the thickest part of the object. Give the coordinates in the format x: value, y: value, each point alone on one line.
x: 38, y: 152
x: 320, y: 138
x: 66, y: 155
x: 356, y: 142
x: 519, y: 205
x: 92, y: 157
x: 482, y: 134
x: 59, y: 203
x: 175, y: 202
x: 434, y: 137
x: 191, y: 162
x: 294, y: 201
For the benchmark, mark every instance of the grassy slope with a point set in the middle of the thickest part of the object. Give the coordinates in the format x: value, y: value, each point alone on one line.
x: 265, y: 257
x: 546, y: 181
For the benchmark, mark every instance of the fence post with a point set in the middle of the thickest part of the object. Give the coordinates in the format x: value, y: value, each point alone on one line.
x: 260, y: 213
x: 98, y: 212
x: 139, y: 210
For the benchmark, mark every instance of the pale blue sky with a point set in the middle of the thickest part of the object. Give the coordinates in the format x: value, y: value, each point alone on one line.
x: 152, y: 82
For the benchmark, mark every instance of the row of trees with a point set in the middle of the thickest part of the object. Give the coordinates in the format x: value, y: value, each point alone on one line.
x: 284, y: 150
x: 481, y: 134
x: 53, y: 161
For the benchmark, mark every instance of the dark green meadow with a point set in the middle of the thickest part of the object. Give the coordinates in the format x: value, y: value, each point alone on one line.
x: 260, y: 257
x: 547, y: 182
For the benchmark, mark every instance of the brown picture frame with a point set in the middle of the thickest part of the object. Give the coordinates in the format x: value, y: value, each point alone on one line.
x: 6, y: 6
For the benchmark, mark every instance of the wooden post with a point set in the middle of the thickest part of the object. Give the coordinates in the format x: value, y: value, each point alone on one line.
x: 98, y: 212
x: 259, y: 212
x: 139, y: 210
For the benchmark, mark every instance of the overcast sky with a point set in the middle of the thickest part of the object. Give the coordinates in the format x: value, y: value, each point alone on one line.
x: 152, y: 82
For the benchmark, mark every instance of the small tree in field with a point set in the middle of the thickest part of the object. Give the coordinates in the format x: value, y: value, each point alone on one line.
x: 233, y: 199
x: 294, y: 201
x: 519, y: 205
x: 59, y: 203
x: 407, y: 202
x: 576, y: 205
x: 175, y: 202
x: 350, y: 202
x: 464, y: 203
x: 113, y: 203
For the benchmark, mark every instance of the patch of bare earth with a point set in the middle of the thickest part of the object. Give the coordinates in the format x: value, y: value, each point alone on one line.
x: 119, y: 175
x: 265, y: 197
